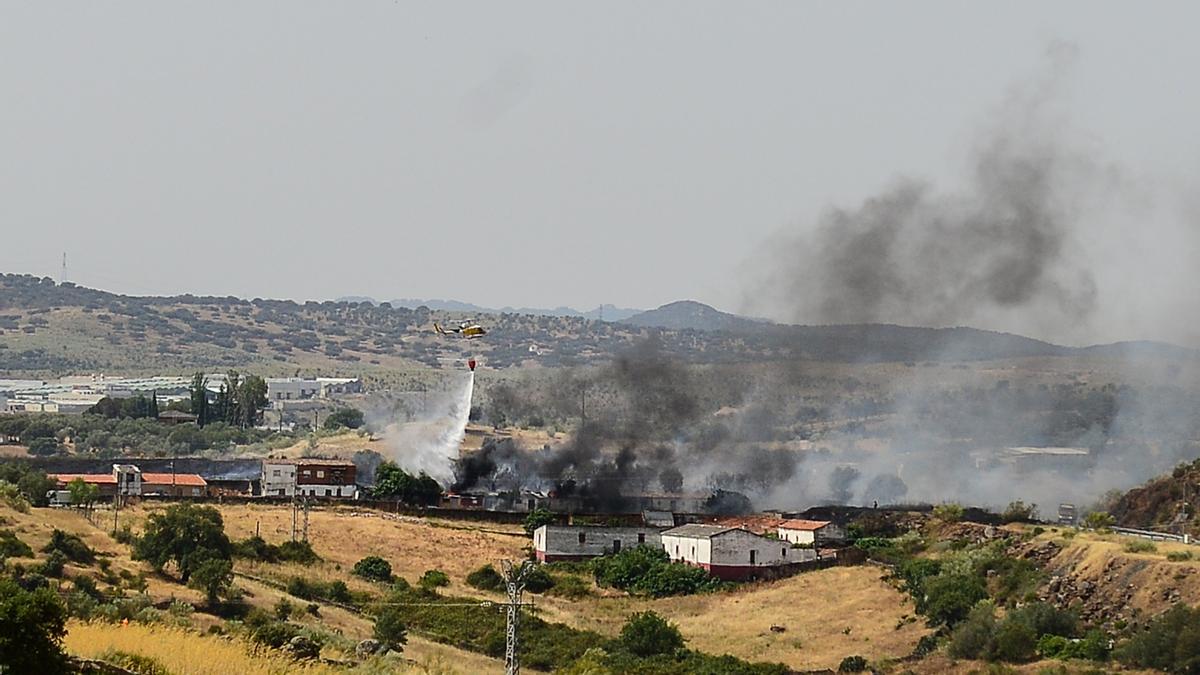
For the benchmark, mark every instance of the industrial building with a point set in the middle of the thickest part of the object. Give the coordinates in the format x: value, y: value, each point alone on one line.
x: 127, y: 480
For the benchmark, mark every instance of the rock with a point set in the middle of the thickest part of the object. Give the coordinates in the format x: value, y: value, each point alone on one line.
x: 777, y: 629
x: 303, y: 648
x: 368, y: 648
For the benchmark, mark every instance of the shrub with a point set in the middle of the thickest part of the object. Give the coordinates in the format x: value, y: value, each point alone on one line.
x: 974, y: 637
x: 1019, y: 512
x: 134, y: 663
x: 852, y: 664
x: 390, y: 628
x: 1140, y: 546
x: 647, y: 634
x: 53, y: 565
x: 32, y: 625
x: 1016, y: 642
x: 12, y: 547
x: 538, y: 518
x: 1179, y: 556
x: 485, y: 578
x: 12, y: 496
x: 373, y: 568
x: 434, y: 579
x: 948, y: 598
x: 648, y: 570
x: 71, y: 546
x: 570, y: 587
x: 1045, y: 619
x: 538, y: 581
x: 948, y: 513
x: 1098, y: 520
x: 1168, y: 643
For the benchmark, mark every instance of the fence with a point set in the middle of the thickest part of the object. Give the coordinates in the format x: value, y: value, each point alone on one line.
x: 1155, y: 536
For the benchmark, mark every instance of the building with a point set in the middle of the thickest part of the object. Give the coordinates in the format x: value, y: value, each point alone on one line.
x: 810, y: 532
x: 173, y: 417
x: 301, y: 388
x: 128, y: 480
x: 730, y: 552
x: 309, y: 477
x: 581, y: 542
x: 174, y: 484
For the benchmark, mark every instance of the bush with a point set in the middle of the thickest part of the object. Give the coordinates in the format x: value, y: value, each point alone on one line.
x: 974, y: 637
x: 1168, y: 643
x: 1179, y: 556
x: 434, y: 579
x: 538, y: 581
x: 947, y: 598
x: 570, y: 587
x: 648, y: 570
x: 1019, y: 512
x: 347, y: 418
x: 11, y: 495
x: 852, y: 664
x: 1098, y: 520
x: 283, y: 609
x: 1016, y: 642
x: 71, y: 546
x: 538, y: 518
x: 647, y: 634
x: 486, y: 578
x: 32, y: 625
x: 1140, y: 546
x: 373, y: 568
x: 1045, y: 619
x: 53, y: 565
x: 948, y: 513
x: 12, y: 547
x: 390, y: 628
x: 134, y: 663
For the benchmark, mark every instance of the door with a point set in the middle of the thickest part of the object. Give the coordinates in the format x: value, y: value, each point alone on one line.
x: 752, y: 556
x: 616, y: 545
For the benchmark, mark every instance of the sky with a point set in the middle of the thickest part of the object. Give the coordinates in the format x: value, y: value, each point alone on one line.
x: 545, y: 154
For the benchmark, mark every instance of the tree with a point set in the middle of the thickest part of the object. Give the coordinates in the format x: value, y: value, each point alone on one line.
x: 671, y: 479
x: 537, y: 518
x: 199, y: 397
x: 347, y: 418
x: 486, y: 578
x: 32, y: 626
x: 42, y: 446
x: 186, y: 535
x: 373, y: 568
x: 213, y: 576
x: 390, y: 628
x: 948, y: 598
x: 83, y: 494
x: 1098, y: 520
x: 647, y: 634
x: 393, y: 482
x: 251, y: 398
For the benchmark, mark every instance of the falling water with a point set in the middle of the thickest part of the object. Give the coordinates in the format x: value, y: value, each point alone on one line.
x: 431, y: 443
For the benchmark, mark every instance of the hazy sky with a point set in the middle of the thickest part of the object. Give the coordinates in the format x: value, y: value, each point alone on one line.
x: 515, y: 153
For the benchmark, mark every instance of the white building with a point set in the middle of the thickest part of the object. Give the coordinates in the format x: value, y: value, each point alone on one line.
x: 575, y: 542
x: 730, y: 552
x: 279, y: 478
x: 301, y: 388
x: 129, y: 480
x: 811, y: 532
x: 309, y: 477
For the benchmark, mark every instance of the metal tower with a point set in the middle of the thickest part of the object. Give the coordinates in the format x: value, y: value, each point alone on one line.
x: 514, y: 582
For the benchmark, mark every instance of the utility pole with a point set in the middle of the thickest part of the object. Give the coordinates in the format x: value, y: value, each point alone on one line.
x: 63, y: 276
x: 514, y: 583
x: 293, y: 517
x: 306, y: 519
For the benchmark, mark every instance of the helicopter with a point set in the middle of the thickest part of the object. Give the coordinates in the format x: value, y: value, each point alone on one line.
x: 468, y: 329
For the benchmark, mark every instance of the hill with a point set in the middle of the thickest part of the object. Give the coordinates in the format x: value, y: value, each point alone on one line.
x: 49, y: 328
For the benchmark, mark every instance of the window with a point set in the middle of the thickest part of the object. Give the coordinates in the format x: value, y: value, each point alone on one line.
x: 753, y: 555
x: 328, y: 492
x: 275, y: 473
x: 783, y: 552
x: 641, y: 537
x: 306, y: 472
x: 582, y: 538
x: 320, y: 473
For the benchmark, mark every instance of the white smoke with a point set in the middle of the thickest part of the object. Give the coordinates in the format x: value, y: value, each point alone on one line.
x: 430, y: 442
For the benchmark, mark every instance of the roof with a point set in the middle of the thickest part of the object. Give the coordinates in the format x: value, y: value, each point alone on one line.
x: 176, y: 415
x: 696, y: 531
x: 95, y: 478
x: 312, y: 461
x: 658, y: 518
x: 805, y: 525
x: 184, y: 479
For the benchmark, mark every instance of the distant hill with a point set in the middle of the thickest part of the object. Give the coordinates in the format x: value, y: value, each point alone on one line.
x: 48, y: 328
x: 602, y: 313
x: 692, y: 315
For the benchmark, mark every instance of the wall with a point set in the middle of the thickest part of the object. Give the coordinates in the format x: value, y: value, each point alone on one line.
x: 561, y: 542
x: 278, y: 479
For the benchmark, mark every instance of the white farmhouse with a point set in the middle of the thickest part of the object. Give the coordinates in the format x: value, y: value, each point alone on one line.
x: 279, y: 478
x: 576, y: 542
x: 810, y: 532
x: 729, y: 552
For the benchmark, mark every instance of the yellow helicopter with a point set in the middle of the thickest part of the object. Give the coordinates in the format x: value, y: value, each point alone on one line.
x: 467, y: 329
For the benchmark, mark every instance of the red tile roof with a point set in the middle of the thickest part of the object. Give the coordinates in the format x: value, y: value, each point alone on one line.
x: 96, y: 478
x: 805, y: 525
x: 184, y: 479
